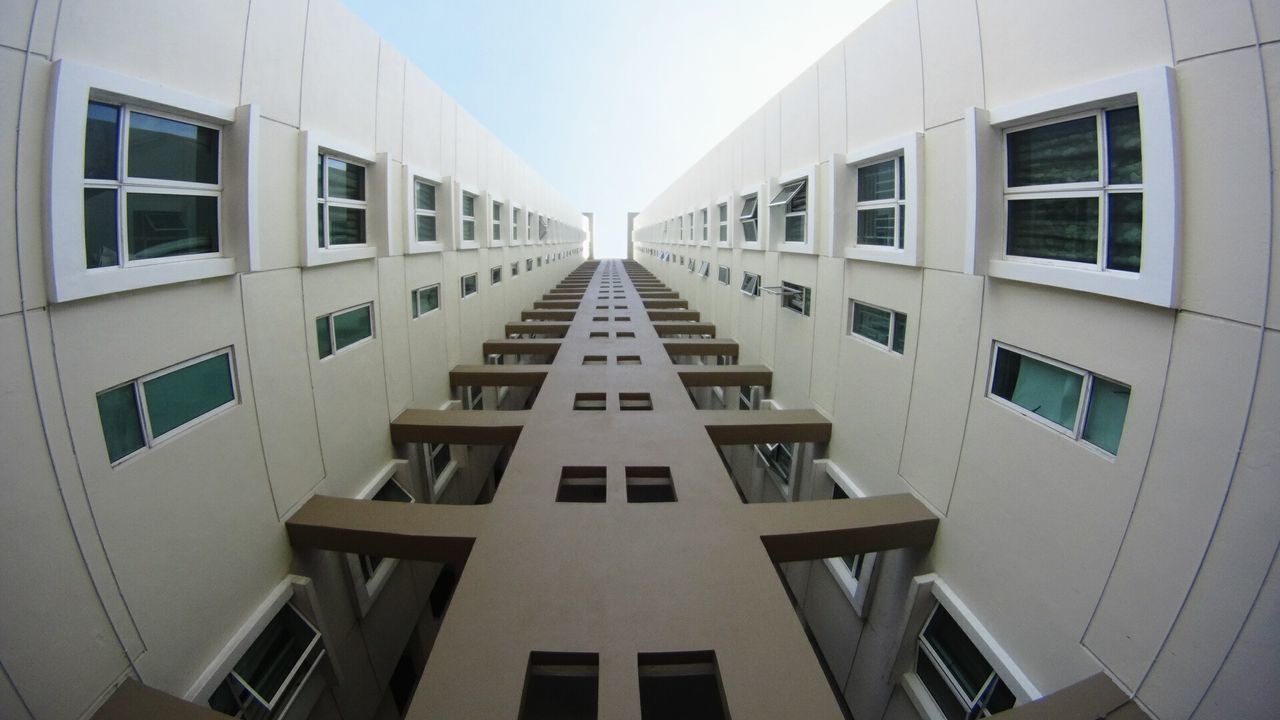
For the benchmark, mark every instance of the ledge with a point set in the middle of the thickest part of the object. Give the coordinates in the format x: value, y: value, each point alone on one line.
x: 724, y: 375
x: 495, y: 375
x: 819, y: 529
x: 459, y: 427
x: 409, y: 531
x: 701, y: 346
x: 668, y: 329
x: 748, y: 427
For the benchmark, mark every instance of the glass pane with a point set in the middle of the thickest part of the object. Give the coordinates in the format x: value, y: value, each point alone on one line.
x: 1000, y: 698
x: 724, y: 212
x: 871, y: 323
x: 876, y: 182
x: 724, y: 233
x: 876, y: 227
x: 101, y: 141
x: 1065, y: 152
x: 428, y: 299
x: 100, y: 226
x: 176, y: 398
x: 795, y: 228
x: 468, y: 205
x: 346, y: 180
x: 1054, y: 229
x: 958, y: 654
x: 748, y: 208
x: 320, y: 223
x: 171, y: 150
x: 899, y: 332
x: 169, y: 225
x: 346, y: 226
x: 426, y: 228
x: 1124, y: 231
x: 392, y: 492
x: 1104, y: 421
x: 497, y: 231
x: 1049, y: 391
x: 938, y: 688
x: 121, y: 425
x: 352, y: 326
x: 468, y: 230
x: 323, y: 341
x: 424, y: 195
x: 749, y: 231
x: 1124, y: 147
x: 277, y: 651
x: 799, y: 199
x: 440, y: 459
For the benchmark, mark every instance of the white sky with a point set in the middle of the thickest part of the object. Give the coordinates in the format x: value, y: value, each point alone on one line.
x: 611, y: 101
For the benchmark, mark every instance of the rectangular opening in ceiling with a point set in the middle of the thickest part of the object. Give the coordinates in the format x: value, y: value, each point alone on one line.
x: 622, y: 318
x: 561, y: 686
x: 635, y: 401
x: 589, y: 401
x: 600, y: 318
x: 628, y: 359
x: 681, y: 685
x: 582, y: 484
x: 595, y: 359
x: 599, y: 334
x: 650, y: 484
x: 624, y: 334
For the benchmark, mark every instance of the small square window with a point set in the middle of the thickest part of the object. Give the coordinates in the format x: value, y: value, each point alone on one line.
x: 881, y: 207
x: 600, y: 318
x: 468, y: 217
x: 561, y: 685
x: 425, y: 299
x: 582, y: 485
x: 272, y: 670
x: 528, y: 264
x: 649, y: 485
x: 342, y: 202
x: 750, y: 284
x: 879, y: 325
x: 749, y: 217
x: 495, y: 274
x: 635, y: 401
x: 424, y: 212
x: 722, y: 274
x: 955, y: 673
x: 589, y: 401
x: 792, y: 199
x: 340, y: 330
x: 469, y: 285
x: 622, y: 318
x: 599, y: 334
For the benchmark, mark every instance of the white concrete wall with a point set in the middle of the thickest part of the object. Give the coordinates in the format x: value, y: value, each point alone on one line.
x: 1151, y: 565
x: 148, y: 567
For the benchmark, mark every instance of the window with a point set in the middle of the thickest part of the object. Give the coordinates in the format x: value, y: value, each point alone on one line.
x: 469, y: 285
x: 880, y: 326
x: 777, y: 459
x: 340, y: 330
x: 722, y: 274
x: 528, y: 264
x: 750, y: 283
x: 528, y: 226
x: 468, y: 217
x: 474, y: 396
x: 424, y: 211
x: 495, y: 274
x: 515, y: 224
x: 1078, y: 403
x: 440, y: 467
x: 425, y: 299
x: 723, y: 210
x: 497, y: 222
x: 369, y: 573
x: 749, y: 217
x: 705, y: 225
x: 882, y: 204
x: 1073, y: 190
x: 704, y: 269
x: 539, y: 261
x: 792, y: 199
x: 152, y: 187
x: 954, y: 672
x: 145, y: 411
x: 341, y: 201
x: 854, y: 573
x: 267, y: 677
x: 796, y: 298
x: 515, y: 268
x: 542, y: 228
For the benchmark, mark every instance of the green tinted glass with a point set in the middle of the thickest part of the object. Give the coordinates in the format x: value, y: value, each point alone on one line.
x: 876, y: 227
x: 167, y: 149
x: 871, y: 323
x: 876, y: 182
x: 162, y: 225
x: 1104, y: 421
x: 178, y: 397
x: 324, y: 342
x: 426, y: 228
x: 428, y: 299
x: 352, y: 326
x: 424, y: 195
x: 899, y: 332
x: 1065, y: 152
x: 346, y: 226
x: 1049, y: 391
x: 795, y: 229
x: 468, y: 205
x: 346, y: 180
x: 121, y: 424
x: 1124, y: 147
x: 100, y: 227
x: 468, y: 230
x: 1054, y: 229
x: 101, y: 141
x: 1124, y: 231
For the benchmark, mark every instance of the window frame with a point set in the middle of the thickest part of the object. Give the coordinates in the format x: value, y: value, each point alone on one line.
x: 149, y: 439
x: 805, y: 295
x: 909, y: 177
x: 780, y: 210
x: 416, y: 302
x: 67, y: 274
x: 753, y: 218
x: 887, y: 346
x: 315, y: 144
x: 462, y: 285
x: 463, y: 192
x: 438, y: 482
x: 496, y: 208
x: 412, y: 175
x: 517, y: 219
x: 367, y: 591
x: 858, y: 589
x: 1088, y: 378
x: 705, y: 214
x: 495, y: 272
x: 723, y: 274
x: 1153, y: 91
x: 755, y: 287
x: 333, y: 349
x: 723, y: 236
x: 786, y: 486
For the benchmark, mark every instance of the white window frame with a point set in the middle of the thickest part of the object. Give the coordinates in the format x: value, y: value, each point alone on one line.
x: 68, y: 277
x: 462, y: 285
x: 495, y: 269
x: 413, y: 174
x: 778, y: 214
x: 438, y: 483
x: 1154, y: 92
x: 315, y: 144
x: 367, y: 591
x: 723, y: 274
x: 334, y: 351
x: 893, y: 314
x: 515, y: 269
x: 1082, y: 404
x: 910, y: 148
x: 477, y: 199
x: 859, y: 589
x: 149, y: 440
x: 790, y: 290
x: 415, y: 300
x: 755, y: 288
x: 496, y: 223
x: 705, y: 214
x: 926, y: 593
x: 724, y: 227
x: 787, y: 489
x: 517, y: 219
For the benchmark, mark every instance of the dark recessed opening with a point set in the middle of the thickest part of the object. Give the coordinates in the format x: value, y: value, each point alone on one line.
x: 623, y: 318
x: 619, y: 307
x: 561, y: 686
x: 624, y: 334
x: 589, y: 401
x: 582, y: 484
x: 602, y: 307
x: 442, y: 591
x: 650, y: 484
x: 595, y: 359
x: 681, y: 686
x: 635, y: 401
x: 598, y: 334
x: 600, y: 318
x: 628, y: 359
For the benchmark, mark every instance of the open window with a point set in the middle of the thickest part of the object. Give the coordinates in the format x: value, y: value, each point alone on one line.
x: 369, y: 573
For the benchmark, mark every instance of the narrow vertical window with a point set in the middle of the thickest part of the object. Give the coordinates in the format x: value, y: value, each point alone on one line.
x: 881, y: 208
x: 424, y: 202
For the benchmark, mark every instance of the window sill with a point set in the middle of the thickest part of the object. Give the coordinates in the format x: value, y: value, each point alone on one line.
x: 416, y: 248
x: 329, y: 256
x: 1126, y: 286
x: 104, y: 281
x: 890, y: 256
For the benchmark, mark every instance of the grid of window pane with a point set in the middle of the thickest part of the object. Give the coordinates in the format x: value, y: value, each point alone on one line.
x: 178, y: 397
x: 1064, y: 152
x: 469, y: 285
x: 876, y: 226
